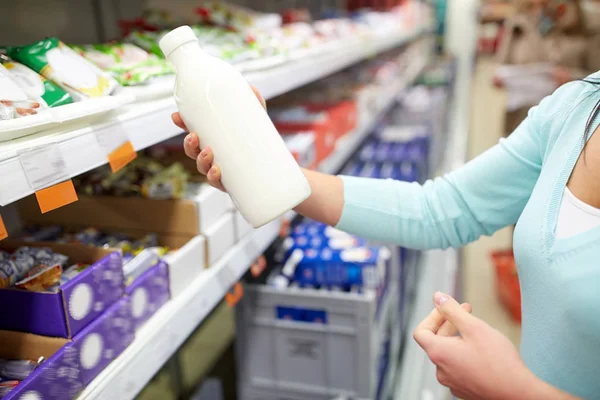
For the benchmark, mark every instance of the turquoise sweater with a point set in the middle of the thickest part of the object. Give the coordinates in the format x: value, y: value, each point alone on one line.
x: 521, y: 180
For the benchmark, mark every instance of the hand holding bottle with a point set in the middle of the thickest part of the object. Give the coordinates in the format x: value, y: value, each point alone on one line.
x: 204, y: 156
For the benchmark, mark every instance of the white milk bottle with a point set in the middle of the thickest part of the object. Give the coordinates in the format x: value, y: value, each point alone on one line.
x: 217, y: 103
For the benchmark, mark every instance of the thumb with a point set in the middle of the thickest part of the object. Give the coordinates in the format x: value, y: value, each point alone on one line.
x: 453, y: 312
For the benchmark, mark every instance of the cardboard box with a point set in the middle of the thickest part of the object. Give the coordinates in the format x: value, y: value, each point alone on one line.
x: 104, y: 339
x: 136, y: 217
x: 44, y: 382
x: 148, y: 293
x: 189, y: 217
x: 76, y: 304
x: 71, y: 363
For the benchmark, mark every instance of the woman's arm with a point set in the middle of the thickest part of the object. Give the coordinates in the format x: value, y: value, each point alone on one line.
x: 483, y: 196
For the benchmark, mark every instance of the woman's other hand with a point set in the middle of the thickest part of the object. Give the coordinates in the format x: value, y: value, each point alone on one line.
x: 481, y: 363
x: 204, y: 156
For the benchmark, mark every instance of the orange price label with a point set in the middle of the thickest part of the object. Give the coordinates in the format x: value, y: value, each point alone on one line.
x: 3, y: 233
x: 236, y: 294
x: 121, y: 156
x: 56, y: 196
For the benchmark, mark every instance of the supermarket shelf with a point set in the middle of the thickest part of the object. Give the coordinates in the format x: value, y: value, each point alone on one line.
x: 166, y: 331
x: 351, y: 142
x: 147, y: 123
x: 283, y: 79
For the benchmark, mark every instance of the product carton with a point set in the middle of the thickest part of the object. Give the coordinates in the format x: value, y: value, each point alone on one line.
x: 76, y: 304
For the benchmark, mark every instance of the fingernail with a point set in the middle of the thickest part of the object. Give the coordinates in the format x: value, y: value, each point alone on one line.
x: 188, y: 137
x: 440, y: 298
x: 203, y: 154
x: 212, y: 171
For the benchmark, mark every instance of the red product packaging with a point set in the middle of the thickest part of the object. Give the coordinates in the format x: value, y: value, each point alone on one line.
x: 322, y: 126
x: 507, y: 282
x: 344, y: 115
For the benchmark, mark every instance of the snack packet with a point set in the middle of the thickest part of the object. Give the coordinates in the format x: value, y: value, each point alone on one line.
x: 37, y: 88
x: 40, y: 278
x: 14, y: 102
x: 6, y: 386
x: 170, y: 183
x: 56, y: 61
x: 147, y: 41
x: 129, y: 64
x: 18, y: 369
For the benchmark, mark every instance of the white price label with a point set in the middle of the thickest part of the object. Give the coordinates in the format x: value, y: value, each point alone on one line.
x: 112, y: 138
x: 44, y: 166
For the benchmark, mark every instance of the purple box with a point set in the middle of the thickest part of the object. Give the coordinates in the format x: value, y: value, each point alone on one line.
x: 104, y: 339
x: 58, y: 378
x: 149, y: 292
x: 77, y: 303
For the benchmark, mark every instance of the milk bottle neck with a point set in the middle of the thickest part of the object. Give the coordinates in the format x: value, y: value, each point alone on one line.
x: 185, y: 53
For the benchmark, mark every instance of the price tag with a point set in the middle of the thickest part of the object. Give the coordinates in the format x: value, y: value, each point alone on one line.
x: 44, y: 166
x: 56, y: 196
x: 3, y: 233
x: 122, y: 156
x: 117, y: 147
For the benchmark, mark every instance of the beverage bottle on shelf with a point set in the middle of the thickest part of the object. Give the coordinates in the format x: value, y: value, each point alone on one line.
x: 216, y: 102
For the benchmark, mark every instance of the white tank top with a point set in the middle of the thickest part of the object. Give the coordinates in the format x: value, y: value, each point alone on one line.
x: 575, y: 216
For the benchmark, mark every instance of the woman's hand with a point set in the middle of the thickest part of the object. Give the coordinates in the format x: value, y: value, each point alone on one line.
x: 204, y: 156
x: 481, y: 363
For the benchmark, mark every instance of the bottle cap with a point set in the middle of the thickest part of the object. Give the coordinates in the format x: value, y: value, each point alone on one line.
x: 176, y: 38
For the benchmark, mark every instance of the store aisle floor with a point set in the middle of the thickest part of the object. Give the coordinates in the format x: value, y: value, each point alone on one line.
x: 487, y: 124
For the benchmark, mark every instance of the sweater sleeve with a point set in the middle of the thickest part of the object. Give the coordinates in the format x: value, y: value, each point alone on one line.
x: 484, y: 195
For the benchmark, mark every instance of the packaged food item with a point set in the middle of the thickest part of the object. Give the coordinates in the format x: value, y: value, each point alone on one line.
x: 169, y: 183
x: 6, y: 385
x: 147, y: 41
x: 143, y: 177
x: 128, y: 63
x: 38, y: 233
x: 41, y: 278
x: 56, y: 61
x: 18, y: 369
x: 72, y: 272
x: 237, y: 17
x: 14, y: 102
x: 37, y: 88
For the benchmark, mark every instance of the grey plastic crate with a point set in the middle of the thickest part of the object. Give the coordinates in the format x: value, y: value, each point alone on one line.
x: 280, y: 359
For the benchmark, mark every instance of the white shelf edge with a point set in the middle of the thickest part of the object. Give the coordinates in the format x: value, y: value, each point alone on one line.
x: 148, y: 123
x: 160, y: 338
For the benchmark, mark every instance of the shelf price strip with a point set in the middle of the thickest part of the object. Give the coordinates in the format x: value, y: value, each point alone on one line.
x: 117, y: 146
x: 46, y: 172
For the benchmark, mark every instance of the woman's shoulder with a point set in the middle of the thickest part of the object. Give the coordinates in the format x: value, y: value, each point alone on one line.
x: 570, y: 104
x: 568, y: 97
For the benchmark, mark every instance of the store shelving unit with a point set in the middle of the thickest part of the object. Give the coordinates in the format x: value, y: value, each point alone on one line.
x: 146, y: 123
x: 160, y: 338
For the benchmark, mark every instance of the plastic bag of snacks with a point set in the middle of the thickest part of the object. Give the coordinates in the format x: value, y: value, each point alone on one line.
x: 37, y: 88
x: 146, y: 40
x: 128, y: 63
x: 14, y: 102
x: 56, y: 61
